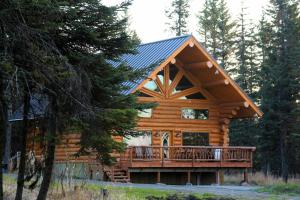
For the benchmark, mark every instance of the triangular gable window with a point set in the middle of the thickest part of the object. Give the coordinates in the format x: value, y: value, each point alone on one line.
x: 183, y: 84
x: 161, y: 76
x: 151, y: 85
x: 197, y: 95
x: 171, y: 82
x: 173, y: 70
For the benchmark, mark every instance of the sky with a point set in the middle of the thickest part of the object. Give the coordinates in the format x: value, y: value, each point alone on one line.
x: 147, y: 17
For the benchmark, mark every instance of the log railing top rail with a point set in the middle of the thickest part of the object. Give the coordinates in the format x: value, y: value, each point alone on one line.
x: 187, y: 156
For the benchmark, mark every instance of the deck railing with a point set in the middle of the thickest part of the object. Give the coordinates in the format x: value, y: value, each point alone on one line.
x: 190, y: 154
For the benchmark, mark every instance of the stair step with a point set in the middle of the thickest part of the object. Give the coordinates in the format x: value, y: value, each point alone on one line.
x: 120, y: 177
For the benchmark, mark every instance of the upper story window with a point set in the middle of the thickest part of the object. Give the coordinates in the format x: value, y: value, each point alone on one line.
x: 183, y: 84
x: 173, y: 70
x: 190, y: 113
x: 172, y: 82
x: 151, y: 85
x: 197, y: 95
x: 145, y: 113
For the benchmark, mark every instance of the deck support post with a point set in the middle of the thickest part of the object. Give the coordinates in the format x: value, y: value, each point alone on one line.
x: 218, y: 181
x: 128, y: 176
x: 246, y: 176
x: 158, y: 177
x: 188, y: 178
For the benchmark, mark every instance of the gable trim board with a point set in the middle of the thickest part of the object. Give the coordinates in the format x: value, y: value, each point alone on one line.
x: 193, y: 43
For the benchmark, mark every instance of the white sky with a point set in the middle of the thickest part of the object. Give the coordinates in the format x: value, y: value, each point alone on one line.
x: 147, y: 17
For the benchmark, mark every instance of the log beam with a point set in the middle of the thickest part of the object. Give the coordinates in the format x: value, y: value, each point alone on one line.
x: 191, y: 44
x: 173, y: 61
x: 216, y: 83
x: 225, y: 121
x: 235, y: 104
x: 201, y: 65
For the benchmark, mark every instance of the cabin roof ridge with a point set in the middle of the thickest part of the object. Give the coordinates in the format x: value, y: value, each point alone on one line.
x: 167, y: 39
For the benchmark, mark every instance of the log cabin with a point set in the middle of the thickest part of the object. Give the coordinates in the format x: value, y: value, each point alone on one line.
x: 185, y: 138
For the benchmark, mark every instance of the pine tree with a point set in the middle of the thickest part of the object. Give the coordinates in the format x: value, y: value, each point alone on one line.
x: 217, y: 29
x: 280, y: 82
x: 178, y: 16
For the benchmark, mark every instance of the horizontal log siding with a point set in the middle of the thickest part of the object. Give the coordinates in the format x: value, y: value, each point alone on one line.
x: 167, y: 117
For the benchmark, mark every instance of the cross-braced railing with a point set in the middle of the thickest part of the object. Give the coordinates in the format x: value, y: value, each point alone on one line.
x: 188, y: 154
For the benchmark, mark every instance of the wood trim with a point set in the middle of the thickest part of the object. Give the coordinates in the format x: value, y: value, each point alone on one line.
x: 175, y: 82
x: 163, y: 64
x: 201, y: 65
x: 151, y: 93
x: 185, y: 92
x: 166, y: 79
x: 235, y: 104
x: 225, y: 75
x: 160, y: 86
x: 216, y: 83
x: 196, y: 82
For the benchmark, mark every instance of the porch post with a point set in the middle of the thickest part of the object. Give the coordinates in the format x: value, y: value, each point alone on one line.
x: 218, y: 177
x: 158, y: 177
x: 188, y: 178
x: 128, y: 175
x: 246, y: 175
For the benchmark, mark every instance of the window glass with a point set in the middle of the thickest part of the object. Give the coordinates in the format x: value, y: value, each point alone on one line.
x: 190, y: 113
x: 183, y: 84
x: 151, y: 85
x: 197, y: 95
x: 143, y: 138
x: 145, y: 113
x: 195, y: 139
x: 161, y: 76
x: 173, y: 70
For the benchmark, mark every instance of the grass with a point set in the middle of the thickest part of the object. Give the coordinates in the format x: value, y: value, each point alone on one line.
x: 87, y: 191
x: 141, y: 193
x: 282, y: 188
x: 258, y: 179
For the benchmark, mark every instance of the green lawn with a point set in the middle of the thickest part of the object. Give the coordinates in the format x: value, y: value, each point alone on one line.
x: 282, y: 188
x: 141, y: 193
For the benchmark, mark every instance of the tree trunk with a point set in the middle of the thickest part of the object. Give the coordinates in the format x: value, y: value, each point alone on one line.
x: 3, y: 126
x: 50, y: 150
x: 21, y: 173
x: 7, y: 149
x: 283, y: 155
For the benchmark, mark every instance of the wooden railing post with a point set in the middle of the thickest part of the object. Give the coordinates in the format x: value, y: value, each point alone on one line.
x: 193, y: 156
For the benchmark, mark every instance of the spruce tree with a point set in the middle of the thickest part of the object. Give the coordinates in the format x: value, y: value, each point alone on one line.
x: 280, y: 83
x: 63, y: 48
x: 178, y: 15
x: 244, y: 132
x: 217, y: 29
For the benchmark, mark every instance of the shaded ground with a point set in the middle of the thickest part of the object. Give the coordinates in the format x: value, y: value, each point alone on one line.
x: 239, y: 192
x: 126, y: 191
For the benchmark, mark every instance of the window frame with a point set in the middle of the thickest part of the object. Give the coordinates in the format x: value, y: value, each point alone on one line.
x: 140, y: 111
x: 208, y: 114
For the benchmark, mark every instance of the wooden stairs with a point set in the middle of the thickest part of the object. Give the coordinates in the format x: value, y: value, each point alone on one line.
x: 116, y: 174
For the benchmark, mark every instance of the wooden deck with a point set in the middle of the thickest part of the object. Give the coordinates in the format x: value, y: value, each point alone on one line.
x: 186, y: 157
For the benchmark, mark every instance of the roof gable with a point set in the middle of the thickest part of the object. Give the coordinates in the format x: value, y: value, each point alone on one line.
x: 165, y: 51
x: 149, y: 54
